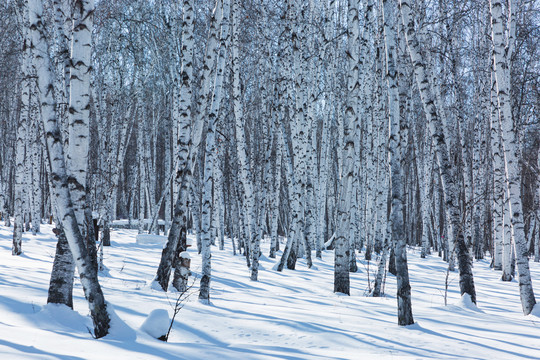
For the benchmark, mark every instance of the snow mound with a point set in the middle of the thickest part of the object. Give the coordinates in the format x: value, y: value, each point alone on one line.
x: 466, y: 303
x: 149, y: 239
x: 61, y: 317
x: 185, y: 255
x: 157, y: 323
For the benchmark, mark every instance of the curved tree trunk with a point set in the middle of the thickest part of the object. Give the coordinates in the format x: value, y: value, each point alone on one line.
x: 59, y: 179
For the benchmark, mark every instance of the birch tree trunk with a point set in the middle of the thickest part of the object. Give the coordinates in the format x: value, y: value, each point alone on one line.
x: 62, y: 275
x: 275, y: 199
x: 425, y: 170
x: 287, y: 78
x: 243, y: 161
x: 79, y: 106
x: 184, y: 171
x: 342, y: 243
x: 20, y: 153
x: 298, y: 138
x: 449, y: 185
x: 141, y: 133
x: 35, y: 167
x: 59, y: 178
x: 405, y: 316
x: 498, y: 177
x: 511, y: 152
x: 61, y: 281
x: 221, y: 18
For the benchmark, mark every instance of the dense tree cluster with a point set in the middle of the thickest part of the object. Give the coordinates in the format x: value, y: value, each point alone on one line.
x: 359, y: 127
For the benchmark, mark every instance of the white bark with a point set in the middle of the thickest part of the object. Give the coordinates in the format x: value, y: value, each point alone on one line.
x: 184, y: 170
x: 511, y: 153
x: 397, y: 147
x: 141, y: 133
x: 79, y: 106
x: 322, y: 185
x: 59, y: 179
x: 498, y: 178
x: 299, y: 137
x: 34, y: 167
x: 244, y: 163
x: 425, y: 171
x: 20, y: 152
x: 342, y: 243
x: 435, y: 122
x: 288, y: 89
x: 221, y: 19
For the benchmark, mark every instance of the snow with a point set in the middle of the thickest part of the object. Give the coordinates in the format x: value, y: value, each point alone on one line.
x: 157, y: 323
x: 466, y: 303
x: 287, y: 315
x: 150, y: 239
x: 184, y: 255
x: 134, y: 222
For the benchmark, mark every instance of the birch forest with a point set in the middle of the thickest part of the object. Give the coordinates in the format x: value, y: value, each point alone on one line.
x: 283, y: 129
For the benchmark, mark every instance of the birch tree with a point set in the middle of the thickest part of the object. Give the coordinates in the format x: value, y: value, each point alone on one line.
x: 59, y: 178
x: 243, y: 160
x: 20, y: 153
x: 342, y: 244
x: 435, y: 122
x: 79, y: 106
x: 511, y: 149
x: 221, y: 21
x: 405, y: 316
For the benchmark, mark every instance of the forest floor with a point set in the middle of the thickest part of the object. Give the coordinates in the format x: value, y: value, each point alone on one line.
x: 287, y: 315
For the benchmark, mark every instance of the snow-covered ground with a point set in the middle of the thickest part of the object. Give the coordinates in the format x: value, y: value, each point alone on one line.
x: 288, y: 315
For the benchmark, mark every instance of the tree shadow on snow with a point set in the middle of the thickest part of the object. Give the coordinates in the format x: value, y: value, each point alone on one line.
x: 35, y: 352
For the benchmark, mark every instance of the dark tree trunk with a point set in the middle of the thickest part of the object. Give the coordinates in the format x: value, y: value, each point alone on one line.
x: 179, y: 224
x: 63, y: 272
x: 392, y: 263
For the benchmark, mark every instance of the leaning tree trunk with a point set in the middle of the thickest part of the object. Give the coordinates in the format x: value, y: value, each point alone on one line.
x: 63, y: 270
x: 449, y: 186
x: 59, y: 179
x: 61, y: 282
